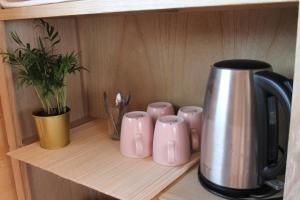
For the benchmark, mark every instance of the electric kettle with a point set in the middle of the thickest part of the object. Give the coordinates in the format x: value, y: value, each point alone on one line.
x: 240, y: 151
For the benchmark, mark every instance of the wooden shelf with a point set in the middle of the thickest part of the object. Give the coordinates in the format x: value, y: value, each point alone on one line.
x: 188, y: 186
x: 94, y: 160
x: 84, y: 7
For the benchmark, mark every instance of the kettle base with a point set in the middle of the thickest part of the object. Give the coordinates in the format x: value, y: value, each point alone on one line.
x: 237, y: 194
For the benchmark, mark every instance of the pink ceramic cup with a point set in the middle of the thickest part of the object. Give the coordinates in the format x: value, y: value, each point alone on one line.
x: 171, y: 143
x: 136, y: 135
x: 192, y: 116
x: 159, y: 109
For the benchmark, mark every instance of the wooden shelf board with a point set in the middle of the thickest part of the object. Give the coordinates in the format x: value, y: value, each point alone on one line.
x: 94, y: 160
x: 84, y: 7
x: 188, y: 185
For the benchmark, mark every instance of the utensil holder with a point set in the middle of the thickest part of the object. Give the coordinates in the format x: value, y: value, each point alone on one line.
x: 114, y: 122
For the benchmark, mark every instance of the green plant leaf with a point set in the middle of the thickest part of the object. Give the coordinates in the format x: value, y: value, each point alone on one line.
x: 54, y: 43
x: 41, y: 45
x: 17, y: 39
x: 54, y: 36
x: 51, y: 31
x: 42, y: 68
x: 42, y: 22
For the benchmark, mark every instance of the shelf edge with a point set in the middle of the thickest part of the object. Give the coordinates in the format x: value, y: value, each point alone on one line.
x: 85, y: 7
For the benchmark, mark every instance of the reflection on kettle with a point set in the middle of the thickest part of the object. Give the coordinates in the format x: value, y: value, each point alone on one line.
x: 240, y: 150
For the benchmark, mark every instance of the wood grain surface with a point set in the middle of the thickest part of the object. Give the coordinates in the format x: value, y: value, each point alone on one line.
x: 116, y: 6
x: 189, y: 187
x: 167, y: 57
x: 159, y: 56
x: 292, y: 185
x: 10, y: 120
x: 156, y: 56
x: 94, y: 160
x: 7, y: 184
x: 48, y: 186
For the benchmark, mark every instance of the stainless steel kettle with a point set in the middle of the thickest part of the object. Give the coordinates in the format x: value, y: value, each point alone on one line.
x: 239, y: 144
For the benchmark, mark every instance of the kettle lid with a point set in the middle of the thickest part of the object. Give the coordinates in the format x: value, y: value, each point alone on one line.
x: 242, y: 64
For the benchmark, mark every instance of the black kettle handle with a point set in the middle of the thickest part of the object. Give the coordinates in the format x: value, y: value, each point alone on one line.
x: 279, y: 87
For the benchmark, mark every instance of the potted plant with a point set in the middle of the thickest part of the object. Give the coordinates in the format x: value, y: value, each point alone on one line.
x: 46, y: 71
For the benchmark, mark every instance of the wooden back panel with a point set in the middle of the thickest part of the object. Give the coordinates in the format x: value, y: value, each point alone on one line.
x: 155, y: 56
x: 159, y: 56
x: 167, y: 56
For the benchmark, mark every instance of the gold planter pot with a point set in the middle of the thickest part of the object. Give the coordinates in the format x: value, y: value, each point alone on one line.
x: 53, y: 131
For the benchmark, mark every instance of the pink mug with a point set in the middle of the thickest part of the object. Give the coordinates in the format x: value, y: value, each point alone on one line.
x: 192, y: 116
x: 171, y: 143
x: 159, y: 109
x: 136, y: 135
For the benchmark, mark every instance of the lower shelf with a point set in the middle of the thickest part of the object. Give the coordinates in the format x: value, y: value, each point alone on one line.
x: 188, y: 186
x: 94, y: 160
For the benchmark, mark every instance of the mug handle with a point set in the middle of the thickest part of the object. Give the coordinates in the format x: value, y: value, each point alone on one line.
x: 171, y: 151
x: 138, y: 145
x: 195, y: 139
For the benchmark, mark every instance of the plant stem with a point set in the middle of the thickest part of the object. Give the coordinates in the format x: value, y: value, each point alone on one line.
x: 41, y: 100
x: 48, y: 106
x: 65, y: 98
x: 58, y: 102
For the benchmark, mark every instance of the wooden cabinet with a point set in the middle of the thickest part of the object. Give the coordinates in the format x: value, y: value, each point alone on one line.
x: 157, y: 50
x: 7, y: 185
